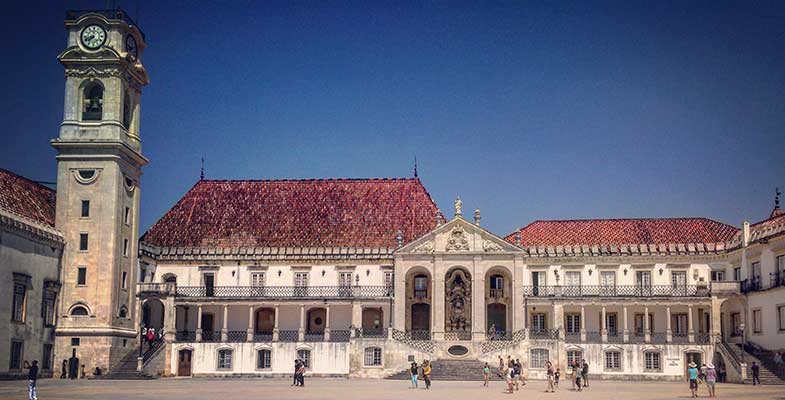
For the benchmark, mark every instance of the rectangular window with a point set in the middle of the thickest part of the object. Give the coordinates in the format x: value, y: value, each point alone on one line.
x: 573, y: 323
x: 737, y: 273
x: 756, y: 328
x: 81, y: 276
x: 538, y: 358
x: 679, y: 279
x: 19, y: 302
x: 717, y: 276
x: 46, y: 358
x: 781, y: 265
x: 75, y: 341
x: 127, y: 216
x: 301, y: 279
x: 257, y: 279
x: 209, y: 284
x: 756, y: 271
x: 781, y: 318
x: 643, y: 281
x: 123, y: 281
x: 735, y: 319
x: 608, y: 278
x: 574, y: 356
x: 652, y: 361
x: 538, y: 322
x: 85, y: 208
x: 572, y: 278
x: 305, y: 357
x: 612, y: 361
x: 125, y: 247
x: 640, y: 324
x: 373, y: 356
x: 83, y: 242
x: 224, y: 359
x: 679, y: 324
x: 264, y: 359
x: 389, y: 282
x: 344, y: 279
x: 611, y: 323
x: 16, y: 355
x: 48, y: 307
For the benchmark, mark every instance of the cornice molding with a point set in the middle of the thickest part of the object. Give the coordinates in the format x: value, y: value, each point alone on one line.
x: 31, y: 228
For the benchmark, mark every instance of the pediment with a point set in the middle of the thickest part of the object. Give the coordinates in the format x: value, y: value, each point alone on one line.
x: 458, y: 236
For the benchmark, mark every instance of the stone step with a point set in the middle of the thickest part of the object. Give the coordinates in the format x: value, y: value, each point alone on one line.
x: 453, y: 370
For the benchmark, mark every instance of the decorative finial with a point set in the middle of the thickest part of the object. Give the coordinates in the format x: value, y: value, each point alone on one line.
x: 415, y: 166
x: 439, y: 218
x: 399, y: 238
x: 777, y: 197
x: 477, y: 216
x: 517, y: 238
x: 458, y: 207
x: 201, y: 173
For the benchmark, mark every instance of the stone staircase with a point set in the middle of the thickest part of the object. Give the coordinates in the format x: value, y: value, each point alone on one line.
x: 452, y: 370
x: 125, y: 369
x: 764, y: 358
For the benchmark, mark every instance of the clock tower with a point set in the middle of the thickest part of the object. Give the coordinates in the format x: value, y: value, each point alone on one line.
x: 99, y: 164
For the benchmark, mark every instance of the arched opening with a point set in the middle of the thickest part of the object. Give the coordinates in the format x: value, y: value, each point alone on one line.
x: 733, y: 316
x: 93, y: 103
x: 372, y: 321
x: 418, y: 301
x: 694, y: 357
x: 79, y: 311
x: 498, y: 303
x: 170, y: 278
x: 458, y: 304
x: 184, y: 362
x: 265, y: 321
x: 153, y: 314
x: 128, y: 110
x: 317, y: 320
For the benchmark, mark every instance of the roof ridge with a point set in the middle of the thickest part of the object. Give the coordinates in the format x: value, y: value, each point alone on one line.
x: 312, y: 180
x: 27, y: 179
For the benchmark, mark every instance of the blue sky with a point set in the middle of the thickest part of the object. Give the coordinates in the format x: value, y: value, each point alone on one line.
x: 527, y: 110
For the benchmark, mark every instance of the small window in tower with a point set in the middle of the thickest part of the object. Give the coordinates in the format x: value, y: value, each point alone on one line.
x: 83, y: 242
x: 125, y: 247
x: 85, y: 208
x: 81, y: 276
x: 123, y: 283
x: 127, y: 217
x: 93, y: 103
x: 127, y: 111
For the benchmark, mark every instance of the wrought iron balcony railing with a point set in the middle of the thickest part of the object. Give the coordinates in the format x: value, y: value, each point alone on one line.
x: 617, y: 291
x: 275, y: 292
x: 288, y: 336
x: 340, y: 335
x: 263, y: 337
x: 211, y: 336
x: 458, y: 335
x: 543, y: 333
x: 155, y: 289
x: 185, y: 336
x: 371, y: 332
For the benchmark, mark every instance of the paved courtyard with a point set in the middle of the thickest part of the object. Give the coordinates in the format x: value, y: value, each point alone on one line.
x: 226, y: 389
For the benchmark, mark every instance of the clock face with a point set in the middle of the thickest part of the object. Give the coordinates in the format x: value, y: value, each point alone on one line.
x: 93, y: 36
x: 130, y: 46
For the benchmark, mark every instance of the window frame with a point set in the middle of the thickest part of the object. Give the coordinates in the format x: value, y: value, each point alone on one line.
x: 127, y: 216
x: 84, y: 211
x: 19, y: 306
x: 223, y: 356
x: 617, y: 360
x: 652, y: 353
x: 570, y: 360
x: 79, y: 274
x: 48, y: 300
x: 124, y: 280
x: 16, y: 364
x: 260, y: 359
x: 538, y: 360
x: 306, y: 359
x: 757, y: 322
x: 570, y: 325
x: 781, y: 318
x: 84, y: 242
x: 77, y: 306
x: 375, y: 355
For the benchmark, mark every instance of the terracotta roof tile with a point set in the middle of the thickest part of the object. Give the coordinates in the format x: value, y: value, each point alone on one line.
x: 624, y: 231
x: 296, y: 213
x: 29, y: 199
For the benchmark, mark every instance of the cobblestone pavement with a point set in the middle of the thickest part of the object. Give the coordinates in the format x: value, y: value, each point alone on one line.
x: 343, y: 389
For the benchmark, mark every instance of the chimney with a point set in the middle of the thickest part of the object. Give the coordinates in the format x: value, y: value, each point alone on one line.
x: 745, y: 234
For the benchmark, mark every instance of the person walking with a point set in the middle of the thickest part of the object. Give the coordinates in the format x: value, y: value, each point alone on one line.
x: 426, y: 373
x: 521, y: 372
x: 755, y: 373
x: 32, y: 380
x: 301, y: 374
x: 550, y: 372
x: 502, y: 370
x: 578, y: 376
x: 556, y: 376
x: 295, y: 379
x: 510, y: 376
x: 516, y: 373
x: 573, y: 375
x: 64, y: 369
x: 413, y: 372
x: 778, y: 361
x: 585, y: 373
x: 486, y: 374
x: 693, y: 375
x: 711, y: 379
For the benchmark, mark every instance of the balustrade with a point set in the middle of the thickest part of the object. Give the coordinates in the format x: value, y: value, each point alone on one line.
x: 274, y: 292
x: 617, y: 291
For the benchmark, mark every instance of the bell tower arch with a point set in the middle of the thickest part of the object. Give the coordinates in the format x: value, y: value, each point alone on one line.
x: 99, y: 166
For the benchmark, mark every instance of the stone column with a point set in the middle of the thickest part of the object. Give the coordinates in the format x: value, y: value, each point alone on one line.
x: 646, y: 332
x: 478, y: 308
x: 516, y: 305
x: 357, y: 318
x: 399, y: 322
x: 199, y: 323
x: 625, y: 330
x: 437, y: 325
x: 583, y: 323
x: 668, y: 327
x: 327, y: 323
x: 301, y: 329
x: 275, y: 326
x: 224, y: 330
x: 249, y: 336
x: 170, y: 319
x: 690, y: 329
x: 716, y: 310
x: 604, y: 326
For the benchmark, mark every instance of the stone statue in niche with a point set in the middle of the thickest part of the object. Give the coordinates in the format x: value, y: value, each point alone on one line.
x: 458, y: 293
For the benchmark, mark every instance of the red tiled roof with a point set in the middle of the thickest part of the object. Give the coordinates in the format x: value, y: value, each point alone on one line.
x: 24, y: 197
x: 624, y: 231
x: 296, y: 213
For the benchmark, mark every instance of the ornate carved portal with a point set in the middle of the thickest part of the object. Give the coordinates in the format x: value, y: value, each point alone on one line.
x: 458, y: 303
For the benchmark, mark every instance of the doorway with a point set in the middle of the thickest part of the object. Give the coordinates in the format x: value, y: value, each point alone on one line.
x: 497, y: 317
x: 184, y: 363
x: 694, y: 357
x: 265, y: 321
x: 421, y: 317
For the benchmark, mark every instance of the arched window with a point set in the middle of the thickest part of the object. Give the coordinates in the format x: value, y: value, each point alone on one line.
x: 170, y: 278
x: 79, y: 311
x: 93, y: 103
x: 652, y: 361
x: 305, y: 356
x: 538, y: 358
x: 264, y: 359
x: 123, y: 312
x: 421, y: 286
x: 613, y: 360
x: 128, y: 110
x: 225, y: 359
x: 373, y: 357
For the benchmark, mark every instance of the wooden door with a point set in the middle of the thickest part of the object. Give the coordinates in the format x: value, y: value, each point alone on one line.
x: 184, y: 363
